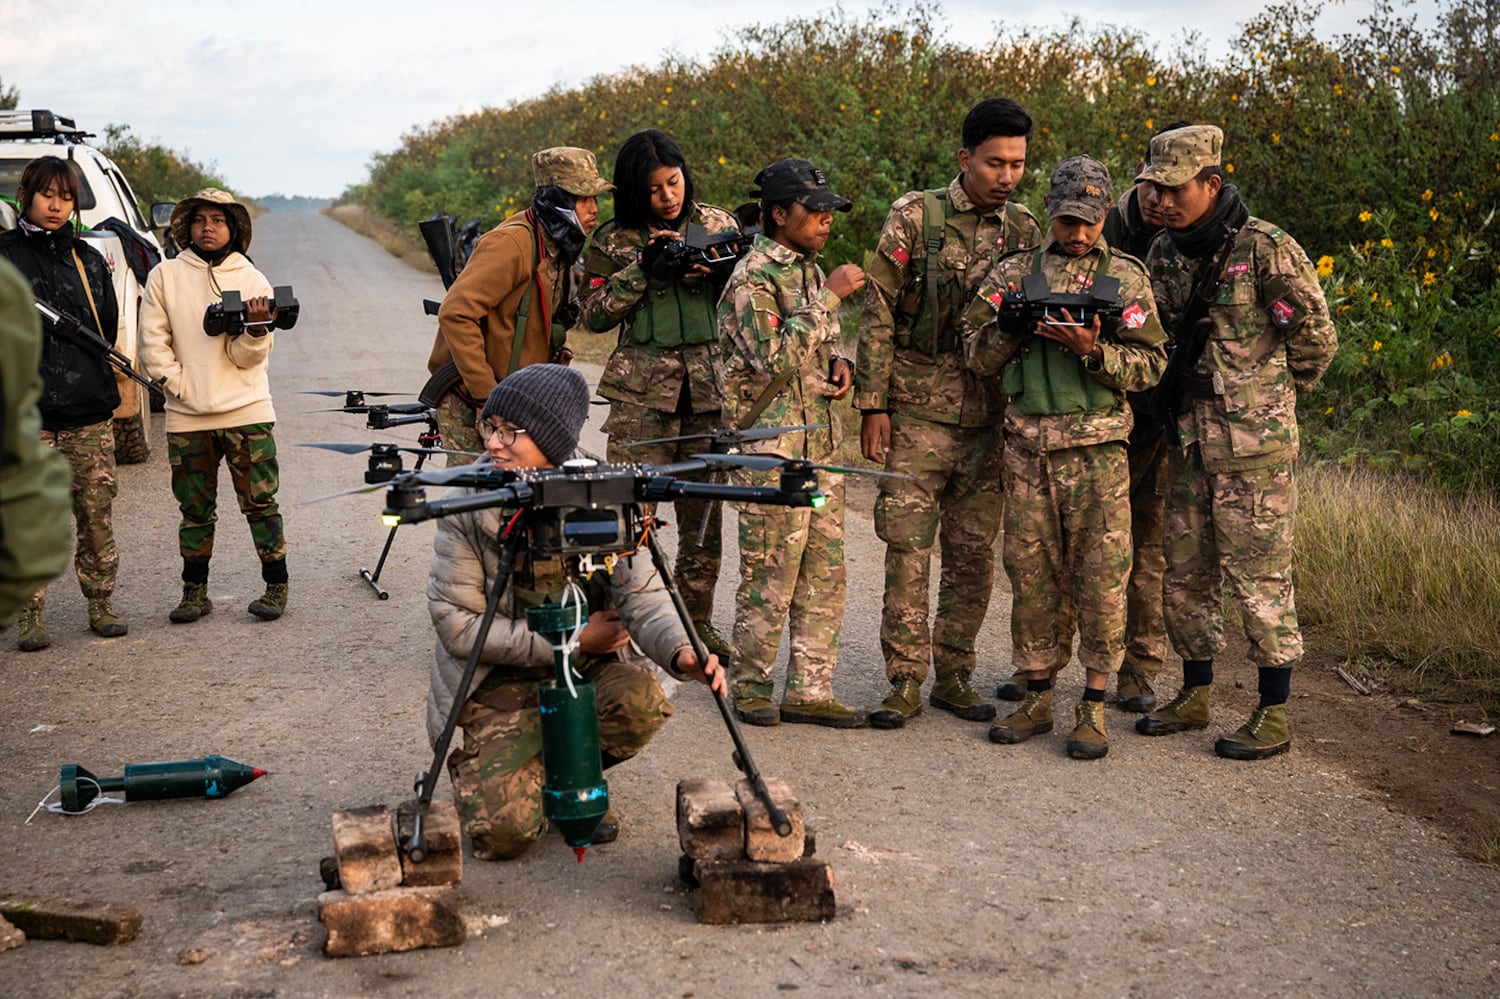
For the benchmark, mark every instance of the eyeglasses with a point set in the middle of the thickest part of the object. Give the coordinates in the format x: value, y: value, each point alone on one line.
x: 506, y: 434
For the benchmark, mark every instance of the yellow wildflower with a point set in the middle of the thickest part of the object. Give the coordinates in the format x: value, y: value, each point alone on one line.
x: 1375, y: 347
x: 1151, y: 123
x: 1325, y: 266
x: 1150, y: 81
x: 1229, y: 168
x: 1328, y: 411
x: 1338, y: 89
x: 1386, y: 242
x: 1428, y: 279
x: 1275, y: 138
x: 1463, y: 412
x: 1365, y: 215
x: 1427, y: 194
x: 1432, y: 213
x: 722, y: 160
x: 1396, y: 70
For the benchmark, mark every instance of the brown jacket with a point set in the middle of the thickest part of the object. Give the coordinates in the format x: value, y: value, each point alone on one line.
x: 477, y: 322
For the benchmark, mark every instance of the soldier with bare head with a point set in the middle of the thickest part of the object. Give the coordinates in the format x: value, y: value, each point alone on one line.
x: 928, y: 416
x: 1244, y: 307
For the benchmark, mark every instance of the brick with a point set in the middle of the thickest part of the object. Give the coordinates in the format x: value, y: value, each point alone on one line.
x: 710, y: 821
x: 761, y: 841
x: 44, y: 917
x: 744, y: 891
x: 686, y: 863
x: 10, y: 937
x: 444, y: 840
x: 364, y: 844
x: 390, y: 921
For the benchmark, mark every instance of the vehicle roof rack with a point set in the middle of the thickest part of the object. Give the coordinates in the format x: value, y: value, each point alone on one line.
x: 40, y: 124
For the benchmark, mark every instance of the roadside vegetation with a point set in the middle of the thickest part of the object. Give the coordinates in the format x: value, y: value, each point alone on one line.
x: 1378, y: 150
x: 156, y: 172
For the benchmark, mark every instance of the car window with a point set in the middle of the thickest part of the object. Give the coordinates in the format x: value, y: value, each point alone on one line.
x: 127, y: 197
x: 10, y: 179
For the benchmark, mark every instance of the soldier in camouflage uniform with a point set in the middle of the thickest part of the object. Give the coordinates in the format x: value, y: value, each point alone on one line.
x: 532, y: 420
x: 779, y: 332
x: 660, y: 379
x: 928, y: 416
x: 1067, y: 479
x: 1265, y: 337
x: 78, y: 388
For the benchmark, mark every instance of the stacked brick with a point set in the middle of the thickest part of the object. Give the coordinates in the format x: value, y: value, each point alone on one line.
x: 742, y: 870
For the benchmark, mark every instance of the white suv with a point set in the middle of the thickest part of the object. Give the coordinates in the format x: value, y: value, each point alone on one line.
x: 27, y: 135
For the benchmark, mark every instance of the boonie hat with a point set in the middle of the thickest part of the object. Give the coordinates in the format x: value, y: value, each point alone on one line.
x: 797, y: 180
x: 1081, y: 189
x: 239, y: 216
x: 1175, y: 157
x: 570, y: 168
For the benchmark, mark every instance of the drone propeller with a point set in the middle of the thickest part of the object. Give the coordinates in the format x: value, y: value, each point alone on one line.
x: 402, y: 408
x: 352, y: 397
x: 771, y: 462
x: 729, y: 437
x: 358, y: 448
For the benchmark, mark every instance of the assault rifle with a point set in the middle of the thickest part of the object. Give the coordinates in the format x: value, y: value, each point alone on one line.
x: 1186, y: 346
x: 69, y: 328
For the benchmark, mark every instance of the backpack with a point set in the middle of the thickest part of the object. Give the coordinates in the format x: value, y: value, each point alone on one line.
x: 139, y: 254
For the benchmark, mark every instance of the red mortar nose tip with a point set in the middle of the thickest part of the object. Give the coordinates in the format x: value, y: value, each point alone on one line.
x: 578, y: 850
x: 256, y: 772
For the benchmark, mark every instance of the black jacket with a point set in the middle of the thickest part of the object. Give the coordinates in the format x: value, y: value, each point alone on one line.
x: 78, y: 385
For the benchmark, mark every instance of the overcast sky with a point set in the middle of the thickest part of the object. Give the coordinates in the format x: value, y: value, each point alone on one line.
x: 294, y: 97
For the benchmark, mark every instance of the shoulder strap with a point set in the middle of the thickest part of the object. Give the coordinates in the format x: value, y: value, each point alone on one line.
x: 524, y: 309
x: 98, y: 326
x: 934, y: 217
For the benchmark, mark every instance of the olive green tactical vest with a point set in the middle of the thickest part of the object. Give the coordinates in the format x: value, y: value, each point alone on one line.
x: 674, y: 316
x: 1048, y: 379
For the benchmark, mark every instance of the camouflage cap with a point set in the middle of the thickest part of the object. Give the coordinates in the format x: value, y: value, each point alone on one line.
x: 570, y: 168
x: 797, y: 180
x: 1175, y: 157
x: 1080, y: 188
x: 182, y: 217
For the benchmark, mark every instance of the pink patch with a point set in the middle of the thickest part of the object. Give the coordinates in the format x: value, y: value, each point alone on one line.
x: 900, y: 257
x: 996, y: 300
x: 1282, y: 312
x: 1134, y: 317
x: 1243, y: 267
x: 773, y: 319
x: 597, y: 282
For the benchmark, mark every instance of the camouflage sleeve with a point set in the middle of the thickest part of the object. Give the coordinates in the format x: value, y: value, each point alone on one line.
x: 987, y: 347
x: 768, y: 341
x: 1293, y: 298
x: 613, y: 281
x: 1136, y: 359
x: 887, y: 275
x: 1167, y: 285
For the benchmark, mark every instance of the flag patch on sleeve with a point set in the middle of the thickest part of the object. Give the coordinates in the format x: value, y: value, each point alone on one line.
x: 1134, y: 317
x: 900, y: 256
x: 597, y: 282
x: 1282, y: 311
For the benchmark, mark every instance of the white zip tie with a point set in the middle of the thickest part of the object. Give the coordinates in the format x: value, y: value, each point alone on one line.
x: 56, y: 807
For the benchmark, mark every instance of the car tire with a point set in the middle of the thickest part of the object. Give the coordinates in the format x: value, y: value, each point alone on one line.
x: 131, y: 447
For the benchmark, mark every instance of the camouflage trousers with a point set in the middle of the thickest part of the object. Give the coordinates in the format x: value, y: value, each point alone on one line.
x: 497, y: 775
x: 90, y: 451
x: 696, y: 570
x: 1067, y: 553
x: 455, y: 422
x: 954, y: 498
x: 791, y: 570
x: 1145, y: 626
x: 1234, y: 528
x: 250, y: 452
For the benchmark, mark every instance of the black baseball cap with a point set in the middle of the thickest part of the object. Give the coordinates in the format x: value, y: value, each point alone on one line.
x: 797, y: 180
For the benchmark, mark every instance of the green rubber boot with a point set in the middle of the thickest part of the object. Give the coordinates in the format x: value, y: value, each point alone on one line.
x: 904, y: 702
x: 1189, y: 709
x: 1266, y: 734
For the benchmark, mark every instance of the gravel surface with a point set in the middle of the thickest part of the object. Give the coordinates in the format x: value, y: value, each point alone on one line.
x: 961, y: 867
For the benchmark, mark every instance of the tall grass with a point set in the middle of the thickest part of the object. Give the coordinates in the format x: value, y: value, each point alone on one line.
x: 1394, y: 569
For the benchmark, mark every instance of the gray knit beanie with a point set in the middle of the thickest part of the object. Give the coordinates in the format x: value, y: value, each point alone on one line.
x: 548, y: 401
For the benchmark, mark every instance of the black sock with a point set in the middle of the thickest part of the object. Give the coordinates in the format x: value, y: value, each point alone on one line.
x: 1197, y: 672
x: 195, y: 570
x: 1090, y: 694
x: 273, y: 572
x: 1275, y: 685
x: 1039, y: 685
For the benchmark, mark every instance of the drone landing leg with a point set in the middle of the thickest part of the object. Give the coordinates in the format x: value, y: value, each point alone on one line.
x: 510, y: 541
x: 742, y: 758
x: 373, y: 578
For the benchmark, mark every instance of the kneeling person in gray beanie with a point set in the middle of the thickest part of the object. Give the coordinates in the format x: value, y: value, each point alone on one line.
x: 532, y: 420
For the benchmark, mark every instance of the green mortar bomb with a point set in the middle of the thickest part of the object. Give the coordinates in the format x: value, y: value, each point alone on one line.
x: 575, y: 796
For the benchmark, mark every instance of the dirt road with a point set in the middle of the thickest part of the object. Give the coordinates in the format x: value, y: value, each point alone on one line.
x: 962, y: 867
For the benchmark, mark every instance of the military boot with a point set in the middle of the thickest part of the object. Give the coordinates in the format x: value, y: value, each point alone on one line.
x: 1189, y: 709
x: 752, y: 704
x: 103, y: 620
x: 1133, y: 691
x: 714, y: 642
x: 271, y: 604
x: 829, y: 713
x: 1014, y: 687
x: 1033, y: 717
x: 31, y: 634
x: 608, y: 829
x: 1266, y: 734
x: 952, y: 692
x: 1088, y: 740
x: 902, y: 703
x: 195, y: 604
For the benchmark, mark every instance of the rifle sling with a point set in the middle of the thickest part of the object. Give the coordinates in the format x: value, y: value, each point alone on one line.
x: 763, y: 400
x: 90, y: 293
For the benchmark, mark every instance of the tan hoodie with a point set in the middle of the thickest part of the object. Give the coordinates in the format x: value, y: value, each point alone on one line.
x: 212, y: 382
